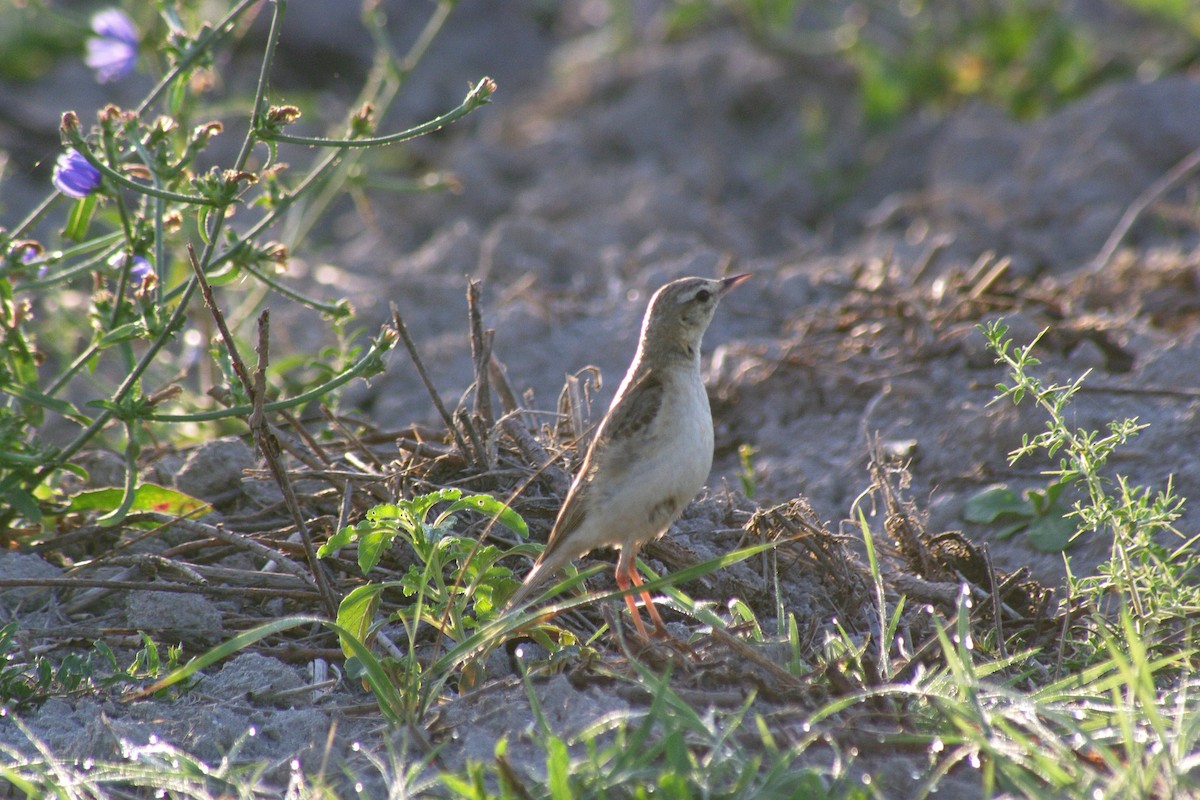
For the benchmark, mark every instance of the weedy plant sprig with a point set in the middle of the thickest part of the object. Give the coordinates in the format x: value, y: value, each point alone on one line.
x: 30, y: 682
x: 1157, y: 582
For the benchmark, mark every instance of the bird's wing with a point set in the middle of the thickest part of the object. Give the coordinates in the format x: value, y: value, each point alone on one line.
x: 626, y: 421
x: 630, y: 418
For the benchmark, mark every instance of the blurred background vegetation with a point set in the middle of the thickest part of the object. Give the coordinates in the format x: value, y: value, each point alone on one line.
x: 1024, y: 56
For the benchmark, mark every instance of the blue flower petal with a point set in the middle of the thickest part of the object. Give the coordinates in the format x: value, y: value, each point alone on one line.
x: 111, y: 60
x: 140, y: 270
x: 74, y: 176
x: 113, y: 23
x: 112, y: 52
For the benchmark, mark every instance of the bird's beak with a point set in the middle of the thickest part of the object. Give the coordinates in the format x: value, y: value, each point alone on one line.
x: 729, y: 283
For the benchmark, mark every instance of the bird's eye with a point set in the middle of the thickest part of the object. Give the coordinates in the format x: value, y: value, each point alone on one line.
x: 704, y: 295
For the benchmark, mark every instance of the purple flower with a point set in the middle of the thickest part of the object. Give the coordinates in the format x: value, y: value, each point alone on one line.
x: 140, y: 271
x: 139, y: 268
x: 30, y: 252
x: 33, y: 255
x: 112, y: 52
x: 74, y: 176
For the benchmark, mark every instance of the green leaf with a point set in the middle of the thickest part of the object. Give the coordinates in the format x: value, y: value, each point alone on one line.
x: 225, y: 274
x: 148, y: 497
x: 107, y: 654
x: 122, y: 333
x: 55, y: 404
x: 493, y: 509
x: 1051, y: 533
x: 419, y: 506
x: 356, y: 614
x: 176, y: 96
x: 371, y: 545
x: 558, y: 769
x: 23, y: 503
x: 994, y: 502
x: 80, y: 218
x: 1007, y: 531
x: 391, y: 703
x: 1043, y: 501
x: 6, y: 636
x: 339, y: 540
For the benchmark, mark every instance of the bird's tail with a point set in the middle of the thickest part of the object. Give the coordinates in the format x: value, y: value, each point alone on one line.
x: 532, y: 581
x: 551, y: 561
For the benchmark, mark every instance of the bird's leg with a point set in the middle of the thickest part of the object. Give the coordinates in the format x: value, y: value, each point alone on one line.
x: 623, y: 582
x: 659, y: 627
x: 626, y: 577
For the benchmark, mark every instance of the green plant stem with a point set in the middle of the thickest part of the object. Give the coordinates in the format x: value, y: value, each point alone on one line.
x: 79, y: 361
x: 132, y: 449
x: 291, y: 294
x: 476, y: 98
x: 113, y: 242
x: 381, y: 88
x: 428, y: 34
x: 359, y: 367
x: 35, y: 215
x: 160, y: 212
x: 75, y: 139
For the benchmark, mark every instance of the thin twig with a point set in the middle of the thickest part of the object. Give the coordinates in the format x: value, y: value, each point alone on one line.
x: 481, y: 351
x: 153, y: 586
x: 268, y: 445
x: 1185, y: 167
x: 535, y: 454
x: 402, y: 329
x: 351, y: 437
x: 995, y: 593
x: 239, y: 367
x: 313, y: 445
x: 477, y: 455
x: 347, y: 507
x: 504, y: 389
x: 267, y: 442
x: 243, y: 542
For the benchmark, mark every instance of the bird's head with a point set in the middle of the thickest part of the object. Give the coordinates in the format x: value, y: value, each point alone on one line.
x: 680, y: 312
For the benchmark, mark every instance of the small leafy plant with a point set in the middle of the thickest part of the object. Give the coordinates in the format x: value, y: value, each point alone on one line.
x: 27, y: 682
x: 456, y: 607
x: 1039, y: 513
x: 456, y: 584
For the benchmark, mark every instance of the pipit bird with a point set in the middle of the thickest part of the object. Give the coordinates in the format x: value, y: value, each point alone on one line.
x: 652, y: 451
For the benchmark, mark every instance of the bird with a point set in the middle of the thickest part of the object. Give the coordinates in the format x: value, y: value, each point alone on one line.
x: 652, y: 451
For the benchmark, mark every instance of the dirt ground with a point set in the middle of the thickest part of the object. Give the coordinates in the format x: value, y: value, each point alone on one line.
x: 595, y: 177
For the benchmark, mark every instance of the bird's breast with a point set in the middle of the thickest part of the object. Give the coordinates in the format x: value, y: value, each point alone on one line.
x: 644, y: 484
x: 683, y: 439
